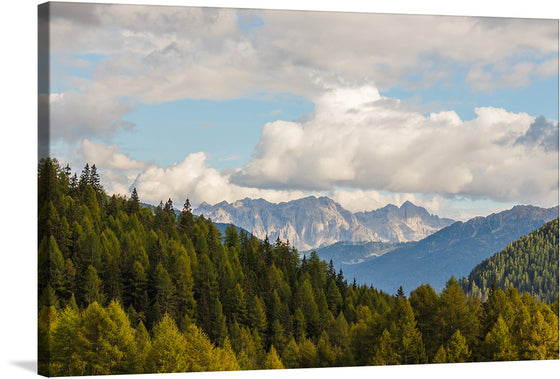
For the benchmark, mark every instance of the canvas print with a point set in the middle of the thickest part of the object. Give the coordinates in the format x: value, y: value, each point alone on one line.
x: 245, y: 189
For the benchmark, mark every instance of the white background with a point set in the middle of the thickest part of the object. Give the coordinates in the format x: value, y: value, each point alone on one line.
x: 18, y: 166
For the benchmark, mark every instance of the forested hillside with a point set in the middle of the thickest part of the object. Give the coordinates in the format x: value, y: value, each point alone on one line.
x: 128, y: 289
x: 529, y: 264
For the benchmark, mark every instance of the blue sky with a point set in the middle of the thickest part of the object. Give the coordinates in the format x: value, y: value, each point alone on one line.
x: 220, y: 104
x: 227, y: 130
x: 540, y: 98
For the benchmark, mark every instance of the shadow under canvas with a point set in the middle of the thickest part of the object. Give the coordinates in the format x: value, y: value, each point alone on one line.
x: 26, y: 365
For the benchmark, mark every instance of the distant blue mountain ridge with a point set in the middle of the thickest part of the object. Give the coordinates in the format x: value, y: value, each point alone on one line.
x: 454, y: 250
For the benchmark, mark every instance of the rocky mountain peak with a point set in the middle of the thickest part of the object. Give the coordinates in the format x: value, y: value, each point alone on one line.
x: 312, y: 222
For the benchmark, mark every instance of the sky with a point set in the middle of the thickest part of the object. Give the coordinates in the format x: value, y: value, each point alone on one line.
x: 456, y: 114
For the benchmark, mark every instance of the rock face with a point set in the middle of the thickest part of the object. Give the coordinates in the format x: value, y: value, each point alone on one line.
x: 307, y: 223
x: 311, y: 222
x: 404, y: 224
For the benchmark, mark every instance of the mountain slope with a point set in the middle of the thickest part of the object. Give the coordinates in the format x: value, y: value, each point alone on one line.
x: 454, y: 250
x: 222, y: 228
x: 529, y: 264
x: 307, y: 223
x: 407, y: 223
x: 351, y: 253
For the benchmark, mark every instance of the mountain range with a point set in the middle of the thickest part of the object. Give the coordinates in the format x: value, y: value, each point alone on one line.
x: 388, y: 247
x: 404, y: 224
x: 453, y: 250
x: 311, y: 222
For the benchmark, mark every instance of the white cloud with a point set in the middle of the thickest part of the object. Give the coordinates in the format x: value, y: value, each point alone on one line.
x: 190, y: 178
x: 385, y: 47
x: 512, y: 75
x: 358, y: 139
x: 118, y: 170
x: 372, y: 146
x: 109, y: 157
x: 74, y: 114
x: 548, y: 68
x: 158, y: 54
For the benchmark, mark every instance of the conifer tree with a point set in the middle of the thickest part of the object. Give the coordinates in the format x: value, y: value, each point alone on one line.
x: 185, y: 221
x: 94, y: 335
x: 308, y: 353
x: 305, y: 300
x: 66, y: 355
x: 186, y: 305
x: 384, y: 353
x: 210, y: 315
x: 277, y: 336
x: 498, y: 344
x: 457, y: 349
x: 135, y: 285
x: 169, y: 351
x: 121, y: 338
x: 93, y: 288
x: 256, y: 314
x: 440, y: 356
x: 338, y: 331
x: 48, y: 185
x: 325, y: 353
x: 168, y: 208
x: 74, y: 183
x: 224, y: 358
x: 231, y: 237
x: 84, y: 177
x: 244, y: 346
x: 51, y: 265
x: 407, y: 337
x: 46, y: 323
x: 272, y: 361
x: 133, y: 205
x: 454, y: 313
x: 334, y: 298
x: 542, y: 339
x: 164, y: 297
x: 143, y: 348
x: 48, y: 298
x: 424, y: 301
x: 200, y: 352
x: 239, y: 303
x: 290, y: 356
x: 72, y: 303
x: 95, y: 180
x: 69, y: 280
x: 300, y: 328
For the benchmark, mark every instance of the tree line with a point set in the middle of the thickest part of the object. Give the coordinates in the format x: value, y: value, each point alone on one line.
x: 130, y: 289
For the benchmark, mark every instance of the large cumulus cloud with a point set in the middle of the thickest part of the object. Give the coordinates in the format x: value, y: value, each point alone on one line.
x: 192, y: 177
x: 362, y: 140
x: 364, y: 150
